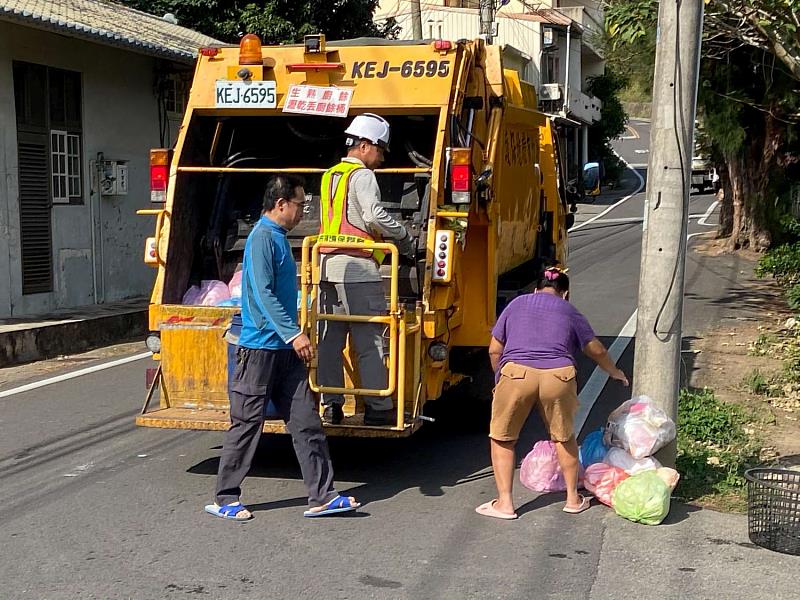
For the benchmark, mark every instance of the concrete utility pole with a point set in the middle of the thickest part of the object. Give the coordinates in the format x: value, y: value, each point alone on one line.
x: 487, y: 19
x: 657, y: 365
x: 416, y: 19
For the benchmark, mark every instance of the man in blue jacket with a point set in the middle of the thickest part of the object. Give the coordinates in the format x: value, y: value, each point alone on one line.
x: 270, y: 364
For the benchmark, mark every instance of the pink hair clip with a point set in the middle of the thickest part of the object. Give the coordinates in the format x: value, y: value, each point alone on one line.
x: 551, y: 274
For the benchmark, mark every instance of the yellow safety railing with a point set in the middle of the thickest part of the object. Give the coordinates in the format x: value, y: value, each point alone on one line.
x: 391, y: 320
x: 399, y: 328
x: 304, y: 170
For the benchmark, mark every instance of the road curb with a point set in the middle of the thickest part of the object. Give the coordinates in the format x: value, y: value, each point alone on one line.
x: 50, y: 340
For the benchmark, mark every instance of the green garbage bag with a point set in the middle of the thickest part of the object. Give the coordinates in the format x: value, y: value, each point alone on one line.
x: 642, y: 498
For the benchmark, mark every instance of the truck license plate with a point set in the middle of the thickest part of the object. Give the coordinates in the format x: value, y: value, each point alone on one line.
x: 245, y: 94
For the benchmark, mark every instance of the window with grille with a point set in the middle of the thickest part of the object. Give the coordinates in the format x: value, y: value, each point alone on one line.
x: 65, y: 162
x: 550, y: 69
x: 463, y: 3
x: 49, y: 132
x: 176, y: 92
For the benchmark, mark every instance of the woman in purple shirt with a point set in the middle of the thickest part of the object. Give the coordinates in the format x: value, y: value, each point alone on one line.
x: 532, y: 351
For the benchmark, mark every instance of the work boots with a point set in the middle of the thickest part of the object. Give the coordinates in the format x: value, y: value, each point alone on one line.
x: 378, y: 418
x: 333, y: 414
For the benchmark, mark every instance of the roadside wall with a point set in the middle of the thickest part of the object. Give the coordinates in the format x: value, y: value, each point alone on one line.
x: 119, y: 120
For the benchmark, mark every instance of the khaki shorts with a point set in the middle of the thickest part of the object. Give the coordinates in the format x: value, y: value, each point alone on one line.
x: 553, y: 391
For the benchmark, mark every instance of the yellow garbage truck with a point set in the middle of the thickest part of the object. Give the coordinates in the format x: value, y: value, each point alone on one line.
x: 473, y: 175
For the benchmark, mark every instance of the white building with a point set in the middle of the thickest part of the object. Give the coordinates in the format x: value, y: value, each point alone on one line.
x: 82, y: 82
x: 552, y: 44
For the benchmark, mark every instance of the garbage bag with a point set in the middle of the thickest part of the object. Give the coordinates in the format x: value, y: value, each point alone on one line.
x: 593, y: 450
x: 669, y: 476
x: 230, y: 302
x: 642, y: 498
x: 191, y: 295
x: 540, y: 471
x: 601, y: 479
x: 639, y: 427
x: 235, y: 285
x: 212, y: 292
x: 617, y: 457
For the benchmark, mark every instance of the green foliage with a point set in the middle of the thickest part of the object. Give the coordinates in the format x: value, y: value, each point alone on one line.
x: 747, y: 101
x: 630, y: 21
x: 714, y: 448
x: 702, y: 418
x: 606, y: 88
x: 782, y: 262
x: 630, y: 46
x: 793, y: 297
x: 274, y: 21
x: 756, y: 382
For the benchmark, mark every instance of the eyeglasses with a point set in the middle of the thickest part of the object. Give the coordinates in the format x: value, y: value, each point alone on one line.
x: 305, y: 207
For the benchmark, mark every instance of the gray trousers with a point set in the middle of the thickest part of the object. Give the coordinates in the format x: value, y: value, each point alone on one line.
x: 281, y: 376
x: 367, y: 339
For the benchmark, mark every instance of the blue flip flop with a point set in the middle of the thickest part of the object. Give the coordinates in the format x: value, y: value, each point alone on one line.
x: 339, y: 504
x: 228, y: 511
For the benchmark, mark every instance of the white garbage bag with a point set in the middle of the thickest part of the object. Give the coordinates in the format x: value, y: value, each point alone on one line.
x: 639, y: 427
x: 617, y: 457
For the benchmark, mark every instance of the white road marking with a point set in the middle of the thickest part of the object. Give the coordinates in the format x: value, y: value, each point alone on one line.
x: 73, y: 374
x: 615, y: 205
x: 634, y: 135
x: 594, y: 386
x: 619, y: 221
x: 704, y: 220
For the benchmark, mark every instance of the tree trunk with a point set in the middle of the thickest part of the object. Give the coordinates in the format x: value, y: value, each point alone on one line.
x: 735, y: 176
x: 725, y: 203
x: 748, y: 180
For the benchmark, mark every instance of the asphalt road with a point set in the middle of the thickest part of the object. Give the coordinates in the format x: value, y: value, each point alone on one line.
x: 96, y: 508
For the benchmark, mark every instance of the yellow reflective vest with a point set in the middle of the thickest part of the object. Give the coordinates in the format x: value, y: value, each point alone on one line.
x: 334, y: 226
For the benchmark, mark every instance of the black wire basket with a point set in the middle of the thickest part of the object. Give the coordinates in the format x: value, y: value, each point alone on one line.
x: 773, y: 509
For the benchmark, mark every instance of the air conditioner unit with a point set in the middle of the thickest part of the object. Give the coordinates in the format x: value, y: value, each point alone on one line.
x: 550, y: 91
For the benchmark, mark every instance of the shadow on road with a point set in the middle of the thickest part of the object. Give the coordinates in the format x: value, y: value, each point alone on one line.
x: 678, y: 512
x: 450, y: 452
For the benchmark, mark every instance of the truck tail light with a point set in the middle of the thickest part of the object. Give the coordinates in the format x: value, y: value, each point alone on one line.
x: 210, y: 51
x: 250, y: 50
x: 159, y: 174
x: 460, y: 175
x: 443, y: 251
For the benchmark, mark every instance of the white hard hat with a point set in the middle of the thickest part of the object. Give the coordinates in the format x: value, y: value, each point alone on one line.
x: 369, y: 127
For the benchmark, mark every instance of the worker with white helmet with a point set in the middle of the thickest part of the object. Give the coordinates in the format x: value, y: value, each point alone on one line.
x: 350, y: 279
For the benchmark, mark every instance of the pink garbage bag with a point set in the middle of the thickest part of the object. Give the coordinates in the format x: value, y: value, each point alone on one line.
x: 191, y: 295
x: 540, y: 471
x: 212, y: 292
x: 235, y: 285
x: 600, y: 479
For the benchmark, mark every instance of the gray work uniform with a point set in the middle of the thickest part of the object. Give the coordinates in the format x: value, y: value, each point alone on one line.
x: 281, y: 376
x: 352, y: 285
